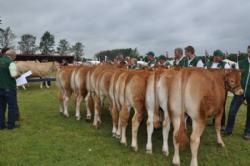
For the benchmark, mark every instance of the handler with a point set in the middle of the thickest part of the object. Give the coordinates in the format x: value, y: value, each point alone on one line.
x: 8, y: 89
x: 244, y: 66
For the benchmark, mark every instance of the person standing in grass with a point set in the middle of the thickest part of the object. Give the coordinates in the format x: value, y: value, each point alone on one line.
x: 151, y: 59
x: 244, y: 66
x: 8, y: 95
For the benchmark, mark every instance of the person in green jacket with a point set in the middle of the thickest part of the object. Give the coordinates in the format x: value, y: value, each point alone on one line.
x: 193, y: 60
x: 244, y: 66
x: 180, y: 59
x: 217, y: 62
x: 8, y: 89
x: 162, y: 61
x: 151, y: 59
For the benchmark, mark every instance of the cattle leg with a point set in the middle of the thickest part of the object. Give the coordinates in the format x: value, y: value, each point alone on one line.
x: 137, y: 118
x: 176, y: 124
x: 165, y: 133
x: 41, y: 85
x: 78, y: 105
x: 61, y: 98
x: 115, y: 117
x: 124, y: 116
x: 150, y: 129
x: 89, y: 105
x: 46, y: 84
x: 198, y: 128
x: 97, y: 119
x: 66, y: 103
x: 218, y: 129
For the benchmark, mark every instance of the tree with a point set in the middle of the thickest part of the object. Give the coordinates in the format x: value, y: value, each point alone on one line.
x: 47, y: 43
x: 6, y: 37
x: 77, y: 50
x: 63, y: 47
x: 27, y: 45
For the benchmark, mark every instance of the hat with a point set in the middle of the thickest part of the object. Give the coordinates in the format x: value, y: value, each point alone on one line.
x: 218, y: 53
x: 150, y: 53
x: 162, y: 57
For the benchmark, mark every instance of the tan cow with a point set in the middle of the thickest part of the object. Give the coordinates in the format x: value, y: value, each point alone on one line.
x: 130, y: 90
x: 38, y: 69
x: 199, y: 93
x: 157, y: 97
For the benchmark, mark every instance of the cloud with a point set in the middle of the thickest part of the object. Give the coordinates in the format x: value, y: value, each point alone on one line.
x: 160, y: 25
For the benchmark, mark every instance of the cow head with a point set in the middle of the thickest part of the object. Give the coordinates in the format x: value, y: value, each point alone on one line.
x: 232, y: 81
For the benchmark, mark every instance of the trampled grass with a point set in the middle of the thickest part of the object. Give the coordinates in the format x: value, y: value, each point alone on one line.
x: 48, y: 139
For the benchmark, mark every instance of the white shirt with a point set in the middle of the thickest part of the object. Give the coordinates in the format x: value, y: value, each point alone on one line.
x: 215, y: 66
x: 178, y: 60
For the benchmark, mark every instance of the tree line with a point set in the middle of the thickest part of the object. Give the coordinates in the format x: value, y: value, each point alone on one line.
x: 27, y: 44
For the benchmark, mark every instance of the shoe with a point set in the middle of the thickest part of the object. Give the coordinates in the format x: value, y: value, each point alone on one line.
x: 246, y: 136
x: 227, y: 133
x: 13, y: 127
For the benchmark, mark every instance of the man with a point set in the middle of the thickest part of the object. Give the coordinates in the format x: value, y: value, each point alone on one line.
x: 193, y: 61
x: 218, y: 63
x: 151, y: 59
x: 8, y: 89
x: 132, y: 64
x: 244, y: 66
x: 162, y: 61
x: 180, y: 59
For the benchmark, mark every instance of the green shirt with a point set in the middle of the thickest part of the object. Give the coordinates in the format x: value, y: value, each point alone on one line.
x: 6, y: 81
x: 245, y: 81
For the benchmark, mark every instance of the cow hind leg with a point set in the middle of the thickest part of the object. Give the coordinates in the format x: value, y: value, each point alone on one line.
x: 79, y: 99
x: 115, y: 117
x: 124, y: 116
x: 198, y: 128
x: 150, y: 129
x: 176, y: 124
x: 218, y: 129
x: 136, y: 121
x: 97, y: 119
x: 165, y: 133
x: 90, y: 106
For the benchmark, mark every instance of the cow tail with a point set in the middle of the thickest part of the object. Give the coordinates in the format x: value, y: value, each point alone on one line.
x: 156, y: 105
x: 182, y: 137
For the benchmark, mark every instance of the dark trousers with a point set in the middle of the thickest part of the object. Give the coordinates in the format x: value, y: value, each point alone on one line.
x: 8, y: 98
x: 234, y: 108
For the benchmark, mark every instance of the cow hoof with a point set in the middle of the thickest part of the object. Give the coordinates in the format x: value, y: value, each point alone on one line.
x: 113, y: 135
x: 123, y: 143
x: 176, y: 164
x: 148, y: 151
x: 165, y: 153
x: 135, y: 149
x: 66, y: 115
x: 78, y: 118
x: 221, y: 145
x: 117, y: 136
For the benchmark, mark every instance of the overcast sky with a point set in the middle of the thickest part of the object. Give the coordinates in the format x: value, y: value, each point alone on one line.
x: 149, y: 25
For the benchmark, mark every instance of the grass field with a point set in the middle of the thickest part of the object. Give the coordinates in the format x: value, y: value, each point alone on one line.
x: 48, y: 139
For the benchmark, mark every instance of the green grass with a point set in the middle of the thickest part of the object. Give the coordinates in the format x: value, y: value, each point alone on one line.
x: 48, y: 139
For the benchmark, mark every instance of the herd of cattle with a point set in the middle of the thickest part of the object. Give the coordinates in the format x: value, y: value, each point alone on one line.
x: 198, y: 93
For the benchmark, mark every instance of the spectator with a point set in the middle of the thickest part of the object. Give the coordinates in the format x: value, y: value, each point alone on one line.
x: 180, y: 59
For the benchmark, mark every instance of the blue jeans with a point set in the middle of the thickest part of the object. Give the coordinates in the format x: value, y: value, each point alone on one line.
x: 234, y: 108
x: 8, y: 97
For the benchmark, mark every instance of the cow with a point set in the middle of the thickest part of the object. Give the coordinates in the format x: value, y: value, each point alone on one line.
x: 157, y: 97
x: 38, y: 69
x: 130, y: 90
x: 200, y: 93
x: 64, y: 83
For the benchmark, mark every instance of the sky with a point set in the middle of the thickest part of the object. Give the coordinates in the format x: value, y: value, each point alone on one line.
x: 148, y: 25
